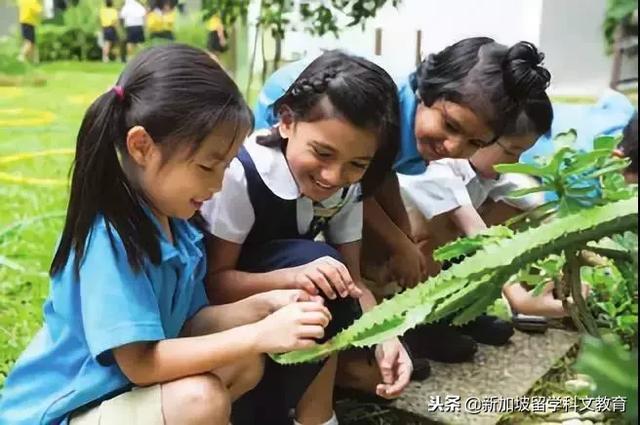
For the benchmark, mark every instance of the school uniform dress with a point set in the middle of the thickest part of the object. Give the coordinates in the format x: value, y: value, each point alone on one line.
x: 261, y: 208
x: 108, y: 22
x: 69, y: 366
x: 29, y: 16
x: 133, y: 14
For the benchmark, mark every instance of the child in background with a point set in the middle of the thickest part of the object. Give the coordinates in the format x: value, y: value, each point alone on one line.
x: 108, y: 22
x: 161, y: 20
x: 30, y: 12
x: 337, y: 128
x: 452, y: 190
x: 128, y: 335
x: 217, y: 37
x: 133, y: 17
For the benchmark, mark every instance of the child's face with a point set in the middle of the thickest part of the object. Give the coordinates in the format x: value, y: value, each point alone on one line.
x: 180, y: 185
x: 327, y: 155
x: 449, y: 130
x: 506, y: 150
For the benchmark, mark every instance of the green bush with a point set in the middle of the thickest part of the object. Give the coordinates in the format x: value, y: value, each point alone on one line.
x: 64, y: 43
x: 76, y: 38
x: 190, y: 29
x: 9, y: 63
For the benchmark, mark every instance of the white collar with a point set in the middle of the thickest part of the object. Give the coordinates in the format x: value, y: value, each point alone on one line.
x: 272, y: 167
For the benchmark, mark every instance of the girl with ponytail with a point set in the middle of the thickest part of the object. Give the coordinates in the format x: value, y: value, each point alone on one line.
x: 128, y: 335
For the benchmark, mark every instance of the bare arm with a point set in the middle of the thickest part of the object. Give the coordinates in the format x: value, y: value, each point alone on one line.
x: 468, y: 220
x: 388, y: 196
x: 226, y: 284
x: 219, y: 318
x: 146, y: 363
x: 384, y: 230
x: 351, y: 254
x: 292, y: 327
x: 523, y: 301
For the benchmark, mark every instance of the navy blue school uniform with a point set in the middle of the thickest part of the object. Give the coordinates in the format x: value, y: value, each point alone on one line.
x: 280, y: 235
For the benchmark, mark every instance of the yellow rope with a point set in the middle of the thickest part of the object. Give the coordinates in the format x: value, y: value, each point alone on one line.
x: 12, y: 178
x: 21, y: 117
x: 20, y: 156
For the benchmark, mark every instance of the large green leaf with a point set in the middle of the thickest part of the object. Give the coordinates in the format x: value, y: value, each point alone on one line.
x: 466, y: 246
x: 459, y: 287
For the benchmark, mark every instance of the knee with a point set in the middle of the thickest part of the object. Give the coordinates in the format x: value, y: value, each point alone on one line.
x: 203, y: 399
x: 252, y: 373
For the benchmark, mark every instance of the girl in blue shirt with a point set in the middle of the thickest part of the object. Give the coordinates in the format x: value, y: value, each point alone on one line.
x: 128, y: 336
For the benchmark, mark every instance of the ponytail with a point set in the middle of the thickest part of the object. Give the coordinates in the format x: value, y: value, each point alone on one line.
x: 179, y: 94
x: 98, y: 185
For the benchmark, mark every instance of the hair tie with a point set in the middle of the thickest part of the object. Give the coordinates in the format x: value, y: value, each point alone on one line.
x: 119, y: 91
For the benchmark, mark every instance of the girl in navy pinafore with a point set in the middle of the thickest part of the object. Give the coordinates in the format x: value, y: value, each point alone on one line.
x: 337, y: 130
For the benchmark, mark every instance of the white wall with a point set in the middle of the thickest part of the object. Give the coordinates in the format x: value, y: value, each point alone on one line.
x: 571, y: 37
x: 441, y: 22
x: 568, y: 31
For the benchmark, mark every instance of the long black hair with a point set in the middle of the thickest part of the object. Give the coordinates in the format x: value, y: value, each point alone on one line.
x: 358, y: 91
x: 179, y: 94
x: 493, y: 80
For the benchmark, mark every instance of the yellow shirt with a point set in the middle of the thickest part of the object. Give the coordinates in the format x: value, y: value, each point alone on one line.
x: 168, y: 20
x: 108, y: 17
x: 154, y: 21
x: 159, y: 22
x: 30, y: 11
x: 214, y: 23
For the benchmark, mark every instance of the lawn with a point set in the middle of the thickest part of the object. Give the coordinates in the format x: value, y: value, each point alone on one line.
x: 36, y: 119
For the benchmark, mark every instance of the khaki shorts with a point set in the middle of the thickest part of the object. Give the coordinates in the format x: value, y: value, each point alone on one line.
x: 140, y: 406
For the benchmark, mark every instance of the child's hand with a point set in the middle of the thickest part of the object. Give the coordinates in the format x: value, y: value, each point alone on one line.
x: 407, y: 265
x: 293, y: 327
x: 277, y: 298
x: 325, y: 274
x: 395, y: 367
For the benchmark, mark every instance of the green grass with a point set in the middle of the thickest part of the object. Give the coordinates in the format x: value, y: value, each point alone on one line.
x: 70, y: 88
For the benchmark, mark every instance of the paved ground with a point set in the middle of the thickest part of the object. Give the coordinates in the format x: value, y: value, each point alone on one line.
x: 508, y: 371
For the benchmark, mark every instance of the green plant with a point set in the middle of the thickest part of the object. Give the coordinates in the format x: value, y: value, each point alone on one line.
x: 619, y: 12
x: 614, y: 300
x: 190, y: 29
x: 76, y: 38
x: 9, y: 52
x: 613, y: 369
x: 468, y: 288
x: 592, y: 202
x: 576, y: 179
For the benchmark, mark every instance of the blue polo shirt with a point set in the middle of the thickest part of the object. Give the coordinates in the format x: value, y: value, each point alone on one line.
x: 408, y: 160
x: 69, y: 363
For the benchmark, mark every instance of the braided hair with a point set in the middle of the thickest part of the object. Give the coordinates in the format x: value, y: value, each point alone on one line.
x: 348, y: 87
